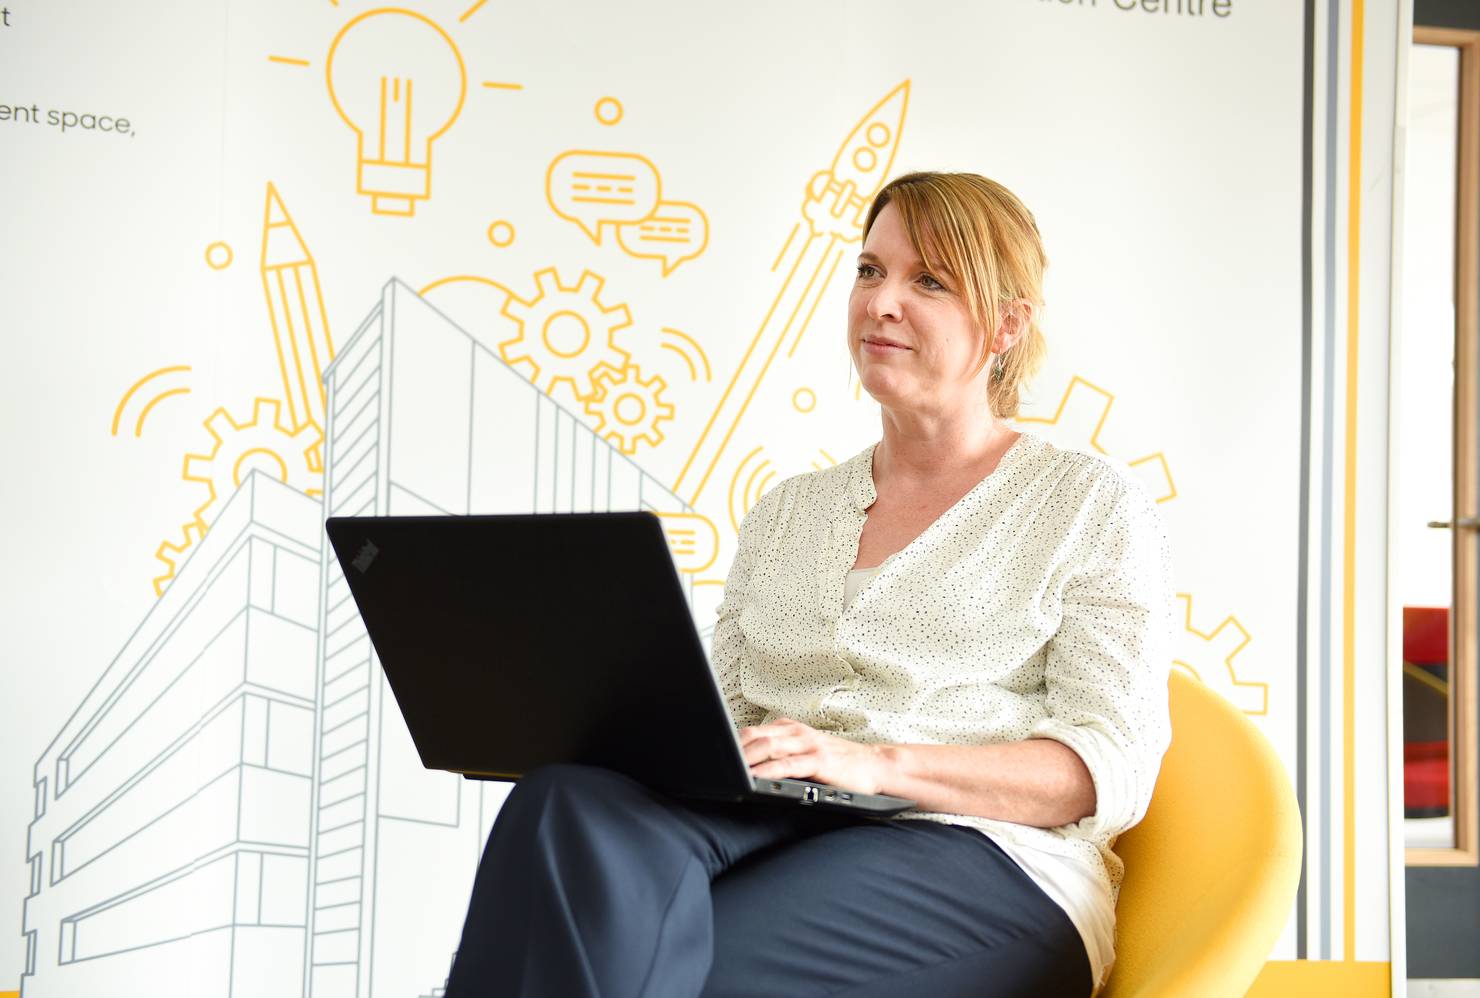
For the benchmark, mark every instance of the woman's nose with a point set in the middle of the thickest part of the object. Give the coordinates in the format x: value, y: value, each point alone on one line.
x: 883, y: 303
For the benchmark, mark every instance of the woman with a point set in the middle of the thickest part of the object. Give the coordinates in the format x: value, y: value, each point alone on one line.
x: 962, y: 615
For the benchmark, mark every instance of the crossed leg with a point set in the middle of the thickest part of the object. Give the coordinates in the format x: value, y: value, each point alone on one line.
x: 593, y: 885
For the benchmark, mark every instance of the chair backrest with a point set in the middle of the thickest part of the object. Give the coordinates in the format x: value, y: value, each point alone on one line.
x: 1212, y: 870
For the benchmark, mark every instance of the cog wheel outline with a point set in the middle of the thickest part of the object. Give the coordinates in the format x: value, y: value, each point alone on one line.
x: 1217, y: 670
x: 611, y: 387
x: 1078, y: 401
x: 170, y: 554
x: 296, y: 451
x: 543, y: 365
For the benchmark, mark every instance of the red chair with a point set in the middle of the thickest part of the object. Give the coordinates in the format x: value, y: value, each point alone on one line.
x: 1426, y: 777
x: 1426, y: 659
x: 1426, y: 635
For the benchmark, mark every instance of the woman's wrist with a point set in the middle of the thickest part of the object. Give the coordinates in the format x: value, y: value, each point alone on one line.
x: 892, y: 764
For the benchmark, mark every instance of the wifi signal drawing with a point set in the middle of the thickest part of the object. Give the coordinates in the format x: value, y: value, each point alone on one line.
x: 755, y: 475
x: 164, y: 383
x: 679, y: 348
x: 749, y: 484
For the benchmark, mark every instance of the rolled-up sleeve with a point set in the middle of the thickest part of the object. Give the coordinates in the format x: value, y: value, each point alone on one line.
x: 728, y: 648
x: 1106, y: 671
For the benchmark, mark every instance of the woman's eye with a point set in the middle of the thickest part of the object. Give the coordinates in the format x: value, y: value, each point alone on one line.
x: 931, y: 284
x: 866, y: 270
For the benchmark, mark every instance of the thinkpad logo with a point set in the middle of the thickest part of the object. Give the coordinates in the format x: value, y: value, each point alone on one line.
x: 367, y: 554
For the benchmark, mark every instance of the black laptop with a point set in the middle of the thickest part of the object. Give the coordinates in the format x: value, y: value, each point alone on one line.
x: 513, y: 642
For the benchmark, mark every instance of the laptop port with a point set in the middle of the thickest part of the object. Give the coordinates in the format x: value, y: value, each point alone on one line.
x: 830, y: 795
x: 809, y: 795
x: 845, y: 797
x: 776, y: 787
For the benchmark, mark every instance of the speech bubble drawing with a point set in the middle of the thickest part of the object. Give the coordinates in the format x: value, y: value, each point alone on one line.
x: 676, y: 231
x: 693, y: 540
x: 593, y: 189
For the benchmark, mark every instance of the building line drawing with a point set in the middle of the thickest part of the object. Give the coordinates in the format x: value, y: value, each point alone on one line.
x: 234, y: 796
x: 171, y: 824
x: 423, y: 417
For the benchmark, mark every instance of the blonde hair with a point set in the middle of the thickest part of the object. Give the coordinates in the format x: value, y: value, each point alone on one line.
x: 983, y: 240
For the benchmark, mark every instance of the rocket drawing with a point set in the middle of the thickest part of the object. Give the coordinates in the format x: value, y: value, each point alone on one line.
x: 833, y: 212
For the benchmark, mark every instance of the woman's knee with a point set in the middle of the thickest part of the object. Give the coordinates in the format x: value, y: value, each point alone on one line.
x: 563, y: 783
x: 568, y: 776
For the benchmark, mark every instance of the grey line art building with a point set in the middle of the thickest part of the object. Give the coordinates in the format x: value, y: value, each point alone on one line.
x: 169, y: 850
x: 422, y: 418
x: 236, y: 808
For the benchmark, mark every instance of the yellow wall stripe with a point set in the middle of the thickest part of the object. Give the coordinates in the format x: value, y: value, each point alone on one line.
x: 1349, y: 512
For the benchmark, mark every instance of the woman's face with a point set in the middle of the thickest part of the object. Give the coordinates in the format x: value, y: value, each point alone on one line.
x: 915, y: 346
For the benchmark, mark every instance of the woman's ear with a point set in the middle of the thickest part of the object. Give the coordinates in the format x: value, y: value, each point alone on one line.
x: 1017, y: 317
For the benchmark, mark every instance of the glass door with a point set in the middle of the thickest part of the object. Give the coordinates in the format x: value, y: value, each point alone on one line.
x: 1435, y: 469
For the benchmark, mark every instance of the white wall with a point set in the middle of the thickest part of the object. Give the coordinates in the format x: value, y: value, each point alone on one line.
x: 1160, y: 152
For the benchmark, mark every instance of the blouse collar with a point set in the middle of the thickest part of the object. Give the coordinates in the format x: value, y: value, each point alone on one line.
x: 861, y: 482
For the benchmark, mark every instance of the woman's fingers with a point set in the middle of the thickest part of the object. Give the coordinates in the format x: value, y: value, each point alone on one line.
x: 780, y: 726
x: 800, y: 767
x: 776, y: 746
x: 792, y: 750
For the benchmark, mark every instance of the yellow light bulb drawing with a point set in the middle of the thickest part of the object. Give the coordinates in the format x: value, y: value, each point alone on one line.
x: 397, y: 79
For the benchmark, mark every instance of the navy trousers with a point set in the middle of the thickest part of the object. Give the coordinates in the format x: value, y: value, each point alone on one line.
x: 593, y: 885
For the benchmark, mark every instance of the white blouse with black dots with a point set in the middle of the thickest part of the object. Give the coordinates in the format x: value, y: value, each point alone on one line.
x: 1040, y: 605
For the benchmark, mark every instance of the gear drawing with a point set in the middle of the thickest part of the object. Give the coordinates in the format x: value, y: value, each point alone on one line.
x: 566, y: 335
x: 1080, y: 419
x: 1209, y: 657
x: 171, y: 554
x: 628, y: 408
x: 263, y: 443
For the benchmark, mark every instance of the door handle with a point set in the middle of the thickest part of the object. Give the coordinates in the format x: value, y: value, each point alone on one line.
x: 1463, y: 523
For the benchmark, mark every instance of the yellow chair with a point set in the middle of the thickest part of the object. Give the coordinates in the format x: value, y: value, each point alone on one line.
x: 1212, y: 870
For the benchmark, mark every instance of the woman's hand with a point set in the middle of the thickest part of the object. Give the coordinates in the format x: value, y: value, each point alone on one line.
x: 787, y: 749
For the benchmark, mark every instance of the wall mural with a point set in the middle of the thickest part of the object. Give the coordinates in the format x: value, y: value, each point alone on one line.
x: 235, y: 807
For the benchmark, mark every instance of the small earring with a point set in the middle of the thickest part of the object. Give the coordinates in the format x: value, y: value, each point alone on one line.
x: 997, y: 369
